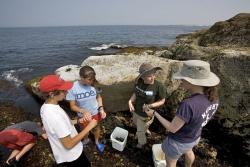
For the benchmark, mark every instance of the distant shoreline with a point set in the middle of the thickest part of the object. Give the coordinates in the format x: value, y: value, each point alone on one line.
x: 58, y: 26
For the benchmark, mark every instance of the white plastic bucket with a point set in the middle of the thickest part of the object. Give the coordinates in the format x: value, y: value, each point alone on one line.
x: 119, y: 138
x: 158, y: 156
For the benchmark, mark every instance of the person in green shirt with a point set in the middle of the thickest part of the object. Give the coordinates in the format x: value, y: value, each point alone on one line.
x: 148, y: 93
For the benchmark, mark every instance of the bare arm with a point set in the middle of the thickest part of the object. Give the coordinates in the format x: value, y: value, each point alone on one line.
x: 44, y: 136
x: 69, y: 142
x: 173, y: 126
x: 74, y: 121
x: 157, y: 103
x: 99, y: 100
x: 130, y: 102
x: 75, y: 108
x: 100, y: 104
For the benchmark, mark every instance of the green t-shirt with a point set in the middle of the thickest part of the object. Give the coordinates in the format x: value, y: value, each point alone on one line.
x: 147, y: 94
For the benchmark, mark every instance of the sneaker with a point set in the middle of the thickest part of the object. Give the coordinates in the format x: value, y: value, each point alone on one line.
x: 13, y: 162
x: 100, y: 147
x: 139, y: 146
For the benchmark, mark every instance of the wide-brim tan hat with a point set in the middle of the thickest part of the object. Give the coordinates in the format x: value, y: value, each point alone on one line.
x: 197, y: 72
x: 147, y: 68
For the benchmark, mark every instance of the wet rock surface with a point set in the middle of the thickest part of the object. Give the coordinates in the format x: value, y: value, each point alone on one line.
x: 41, y: 155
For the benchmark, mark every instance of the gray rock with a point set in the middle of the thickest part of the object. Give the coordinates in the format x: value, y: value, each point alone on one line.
x: 116, y: 75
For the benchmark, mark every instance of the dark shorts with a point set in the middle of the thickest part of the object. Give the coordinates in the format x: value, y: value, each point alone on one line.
x: 16, y: 139
x: 81, y: 161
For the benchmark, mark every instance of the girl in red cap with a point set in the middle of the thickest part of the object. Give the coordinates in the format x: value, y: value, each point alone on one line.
x: 63, y: 137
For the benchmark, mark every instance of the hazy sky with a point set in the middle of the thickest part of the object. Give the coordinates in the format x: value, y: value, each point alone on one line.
x: 118, y: 12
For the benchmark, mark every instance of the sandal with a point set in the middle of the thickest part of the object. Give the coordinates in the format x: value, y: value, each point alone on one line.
x: 100, y: 147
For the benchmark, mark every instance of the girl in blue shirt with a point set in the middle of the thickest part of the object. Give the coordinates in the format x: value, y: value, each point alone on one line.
x: 85, y: 99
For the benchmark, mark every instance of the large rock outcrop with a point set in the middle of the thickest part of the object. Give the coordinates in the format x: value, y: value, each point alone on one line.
x: 232, y: 32
x: 116, y: 75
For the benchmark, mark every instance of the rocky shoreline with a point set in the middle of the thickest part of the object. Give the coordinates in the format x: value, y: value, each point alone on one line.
x: 41, y: 154
x: 226, y: 45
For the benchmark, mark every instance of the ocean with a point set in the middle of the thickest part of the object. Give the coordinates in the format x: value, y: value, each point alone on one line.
x: 26, y: 53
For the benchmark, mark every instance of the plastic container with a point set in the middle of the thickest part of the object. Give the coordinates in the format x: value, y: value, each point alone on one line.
x: 119, y: 138
x: 158, y: 156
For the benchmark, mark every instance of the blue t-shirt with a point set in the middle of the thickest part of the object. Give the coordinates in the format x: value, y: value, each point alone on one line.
x: 195, y: 111
x: 85, y: 97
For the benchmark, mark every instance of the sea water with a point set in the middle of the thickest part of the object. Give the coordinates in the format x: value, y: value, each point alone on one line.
x: 26, y: 53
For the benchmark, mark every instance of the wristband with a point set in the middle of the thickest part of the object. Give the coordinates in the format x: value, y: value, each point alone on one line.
x: 99, y: 108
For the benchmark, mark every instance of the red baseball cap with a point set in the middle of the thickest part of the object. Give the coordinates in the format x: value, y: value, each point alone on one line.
x: 51, y: 83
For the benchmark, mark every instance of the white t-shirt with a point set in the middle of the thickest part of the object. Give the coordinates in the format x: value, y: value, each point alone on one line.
x: 85, y: 97
x: 58, y: 125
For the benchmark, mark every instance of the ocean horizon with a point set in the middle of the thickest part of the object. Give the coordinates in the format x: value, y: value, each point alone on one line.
x: 28, y: 52
x: 152, y: 25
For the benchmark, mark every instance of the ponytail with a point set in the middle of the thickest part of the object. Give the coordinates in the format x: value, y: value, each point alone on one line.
x: 212, y: 93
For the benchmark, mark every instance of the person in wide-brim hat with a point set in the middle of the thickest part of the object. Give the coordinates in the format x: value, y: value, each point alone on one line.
x: 148, y: 93
x: 145, y: 69
x: 193, y: 113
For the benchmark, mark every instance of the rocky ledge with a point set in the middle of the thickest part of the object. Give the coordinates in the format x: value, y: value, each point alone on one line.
x: 41, y: 155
